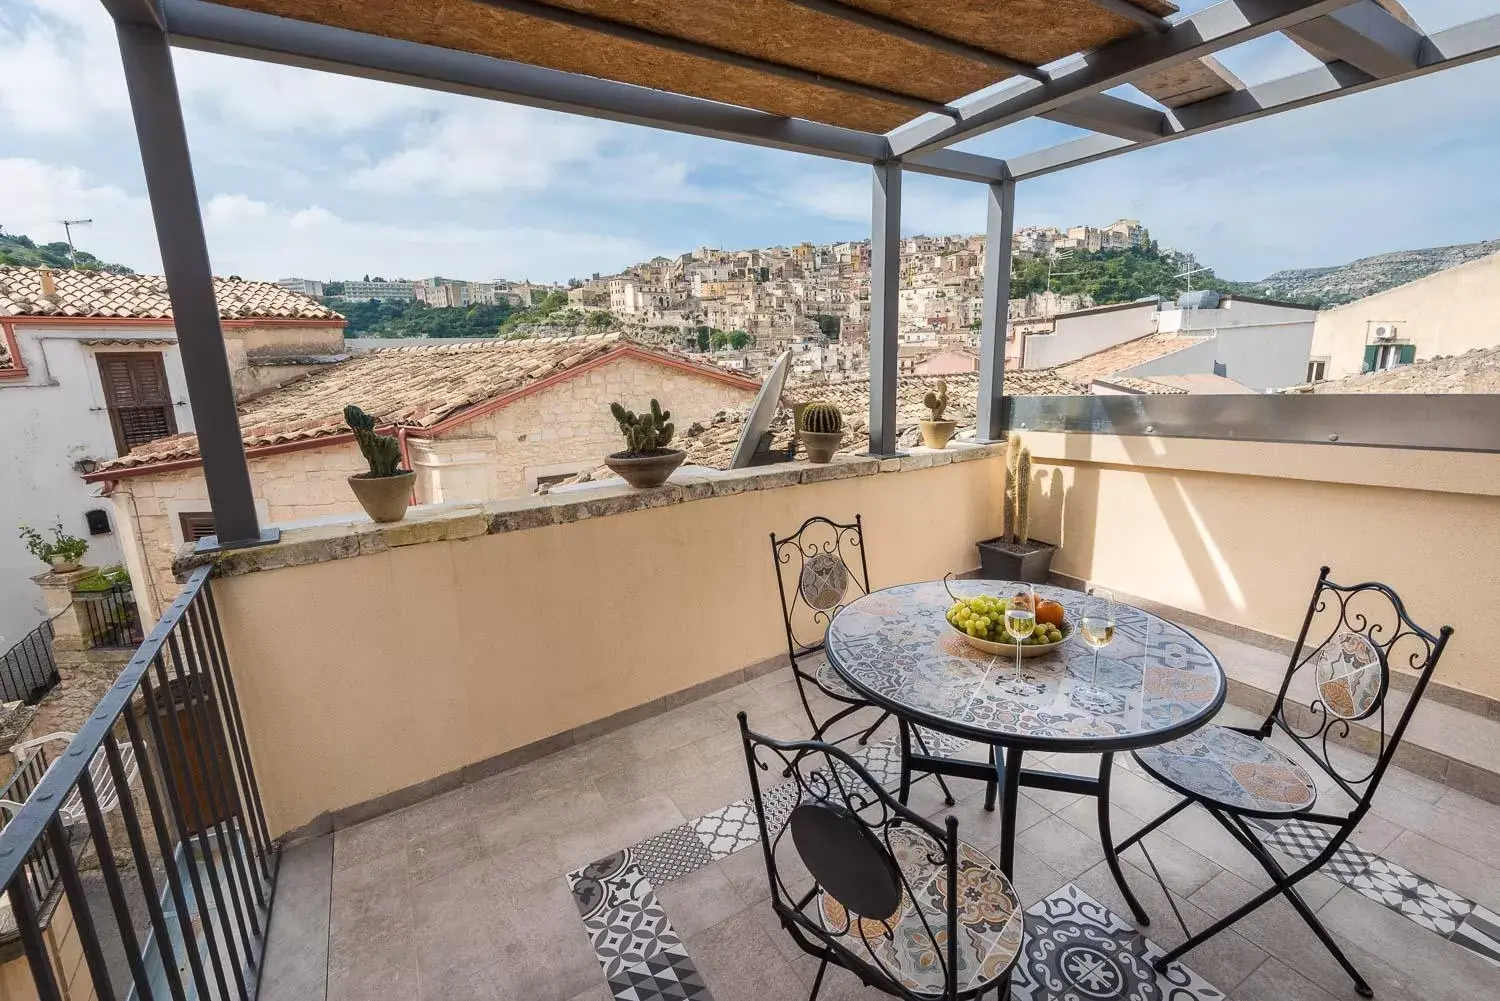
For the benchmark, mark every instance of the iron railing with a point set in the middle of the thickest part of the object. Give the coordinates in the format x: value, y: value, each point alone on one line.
x: 27, y: 670
x: 191, y: 826
x: 41, y: 867
x: 110, y: 616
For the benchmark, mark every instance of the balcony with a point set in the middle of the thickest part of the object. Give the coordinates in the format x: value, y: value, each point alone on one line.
x: 451, y: 716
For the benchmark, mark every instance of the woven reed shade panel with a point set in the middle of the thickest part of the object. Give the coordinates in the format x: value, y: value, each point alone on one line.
x: 1034, y: 31
x: 1189, y: 82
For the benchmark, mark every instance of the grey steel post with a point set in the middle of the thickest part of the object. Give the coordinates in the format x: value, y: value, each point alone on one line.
x: 999, y: 226
x: 155, y: 105
x: 885, y: 303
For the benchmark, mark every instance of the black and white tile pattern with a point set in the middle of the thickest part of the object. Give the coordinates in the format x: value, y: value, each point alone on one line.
x: 1480, y: 933
x: 671, y: 855
x: 1304, y: 841
x: 667, y: 976
x: 1435, y: 908
x: 624, y: 921
x: 1077, y: 949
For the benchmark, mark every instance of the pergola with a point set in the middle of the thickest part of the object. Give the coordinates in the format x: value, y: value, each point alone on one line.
x: 892, y: 84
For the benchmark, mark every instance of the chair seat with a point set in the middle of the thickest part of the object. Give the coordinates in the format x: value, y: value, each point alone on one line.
x: 1232, y: 770
x: 828, y: 679
x: 990, y: 920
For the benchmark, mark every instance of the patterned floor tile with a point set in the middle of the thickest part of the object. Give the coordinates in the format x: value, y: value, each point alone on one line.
x: 728, y: 830
x: 668, y: 976
x: 1305, y: 841
x: 671, y: 855
x: 1078, y: 950
x: 1480, y: 933
x: 1433, y: 907
x: 624, y: 921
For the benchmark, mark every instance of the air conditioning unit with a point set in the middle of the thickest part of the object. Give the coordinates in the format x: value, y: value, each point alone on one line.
x: 1385, y: 331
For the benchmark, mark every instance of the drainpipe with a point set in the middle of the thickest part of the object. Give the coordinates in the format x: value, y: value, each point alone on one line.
x: 406, y: 459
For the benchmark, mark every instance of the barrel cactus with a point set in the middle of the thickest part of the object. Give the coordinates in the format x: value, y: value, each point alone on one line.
x: 647, y: 434
x: 822, y: 418
x: 381, y: 451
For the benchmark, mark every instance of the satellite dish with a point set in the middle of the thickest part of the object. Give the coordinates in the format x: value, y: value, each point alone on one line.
x: 762, y: 412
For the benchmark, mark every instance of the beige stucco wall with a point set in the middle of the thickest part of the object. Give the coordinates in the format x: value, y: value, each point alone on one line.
x: 272, y: 341
x: 1238, y: 530
x: 361, y: 676
x: 1444, y: 314
x: 64, y: 950
x: 567, y: 427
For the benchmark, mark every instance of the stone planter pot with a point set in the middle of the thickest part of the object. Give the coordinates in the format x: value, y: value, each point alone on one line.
x: 643, y: 471
x: 384, y: 498
x: 937, y: 434
x: 820, y: 445
x: 60, y: 565
x: 1000, y: 559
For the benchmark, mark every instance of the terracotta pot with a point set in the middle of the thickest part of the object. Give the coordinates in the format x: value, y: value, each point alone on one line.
x: 384, y: 498
x: 820, y: 445
x: 937, y: 434
x: 642, y: 471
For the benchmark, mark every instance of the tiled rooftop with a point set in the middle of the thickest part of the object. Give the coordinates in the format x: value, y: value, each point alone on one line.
x: 1122, y: 357
x: 1475, y: 371
x: 468, y: 895
x: 102, y: 294
x: 413, y: 387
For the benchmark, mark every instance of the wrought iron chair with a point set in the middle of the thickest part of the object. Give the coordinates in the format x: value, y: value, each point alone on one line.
x: 894, y: 898
x: 1359, y: 630
x: 819, y: 561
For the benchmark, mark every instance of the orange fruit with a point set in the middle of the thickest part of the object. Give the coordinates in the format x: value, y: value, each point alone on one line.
x: 1049, y: 612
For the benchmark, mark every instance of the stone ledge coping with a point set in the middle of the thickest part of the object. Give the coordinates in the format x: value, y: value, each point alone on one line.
x: 345, y: 536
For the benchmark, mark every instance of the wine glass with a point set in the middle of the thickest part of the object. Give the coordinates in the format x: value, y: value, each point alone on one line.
x: 1020, y: 622
x: 1097, y: 627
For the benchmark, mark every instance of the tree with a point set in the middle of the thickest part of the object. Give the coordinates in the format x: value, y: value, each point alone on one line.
x: 828, y: 326
x: 718, y: 340
x: 739, y: 339
x: 333, y: 288
x: 703, y: 337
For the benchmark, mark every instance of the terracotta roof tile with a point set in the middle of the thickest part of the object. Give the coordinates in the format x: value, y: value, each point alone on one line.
x: 414, y: 387
x: 1120, y: 357
x: 1139, y: 385
x: 1475, y: 371
x: 101, y: 294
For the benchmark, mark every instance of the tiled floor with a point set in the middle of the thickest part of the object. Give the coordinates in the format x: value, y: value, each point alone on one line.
x: 472, y: 894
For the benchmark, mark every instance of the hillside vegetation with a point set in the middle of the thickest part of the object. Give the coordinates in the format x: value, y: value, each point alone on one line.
x: 1112, y: 276
x: 20, y: 250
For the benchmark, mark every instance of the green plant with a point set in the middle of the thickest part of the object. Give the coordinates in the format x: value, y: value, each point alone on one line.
x: 381, y: 451
x: 1021, y: 533
x: 1012, y: 458
x: 63, y: 547
x: 821, y: 417
x: 937, y: 402
x: 646, y: 434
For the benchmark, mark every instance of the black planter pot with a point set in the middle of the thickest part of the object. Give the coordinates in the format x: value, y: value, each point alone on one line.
x: 1002, y: 560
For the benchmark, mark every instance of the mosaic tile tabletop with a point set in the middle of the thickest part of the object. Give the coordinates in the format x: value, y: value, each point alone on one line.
x: 897, y: 646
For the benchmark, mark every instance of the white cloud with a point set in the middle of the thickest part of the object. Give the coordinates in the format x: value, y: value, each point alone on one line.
x: 34, y: 195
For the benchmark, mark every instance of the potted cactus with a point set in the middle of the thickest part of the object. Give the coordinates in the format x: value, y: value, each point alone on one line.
x: 821, y: 430
x: 385, y: 491
x: 646, y: 460
x: 1015, y: 555
x: 937, y: 432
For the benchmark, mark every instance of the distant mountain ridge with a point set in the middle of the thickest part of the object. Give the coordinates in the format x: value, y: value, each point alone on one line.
x: 1368, y: 275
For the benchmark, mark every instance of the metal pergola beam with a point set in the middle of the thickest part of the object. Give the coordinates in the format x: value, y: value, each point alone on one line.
x: 1113, y: 116
x: 700, y: 50
x: 885, y: 303
x: 1000, y: 225
x: 921, y: 36
x: 1221, y: 26
x: 1366, y: 37
x: 209, y: 27
x: 1453, y: 47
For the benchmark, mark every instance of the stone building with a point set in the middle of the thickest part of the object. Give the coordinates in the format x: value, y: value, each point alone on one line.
x: 477, y: 421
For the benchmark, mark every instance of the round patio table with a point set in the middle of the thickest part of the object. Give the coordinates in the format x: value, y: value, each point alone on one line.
x: 896, y: 648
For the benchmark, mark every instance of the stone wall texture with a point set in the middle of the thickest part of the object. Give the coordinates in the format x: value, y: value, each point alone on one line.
x: 566, y: 424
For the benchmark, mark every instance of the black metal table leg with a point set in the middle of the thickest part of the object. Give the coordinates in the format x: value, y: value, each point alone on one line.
x: 992, y: 786
x: 1010, y: 790
x: 1106, y: 839
x: 905, y: 730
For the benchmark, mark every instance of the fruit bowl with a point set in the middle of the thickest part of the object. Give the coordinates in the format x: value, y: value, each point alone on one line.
x: 1008, y: 649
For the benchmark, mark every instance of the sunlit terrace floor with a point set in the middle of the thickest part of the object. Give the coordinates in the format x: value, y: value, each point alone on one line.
x: 467, y: 895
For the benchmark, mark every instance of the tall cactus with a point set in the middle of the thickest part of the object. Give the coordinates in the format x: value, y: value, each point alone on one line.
x: 650, y: 432
x: 381, y: 451
x: 937, y: 402
x: 1012, y: 458
x: 1023, y: 498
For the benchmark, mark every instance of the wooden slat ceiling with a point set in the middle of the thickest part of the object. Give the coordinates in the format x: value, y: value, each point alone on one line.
x: 1032, y: 31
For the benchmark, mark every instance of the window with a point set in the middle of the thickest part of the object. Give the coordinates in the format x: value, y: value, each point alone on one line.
x: 1380, y: 357
x: 1317, y: 371
x: 196, y: 525
x: 135, y: 391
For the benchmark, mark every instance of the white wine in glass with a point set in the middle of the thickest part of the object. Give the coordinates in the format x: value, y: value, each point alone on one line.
x: 1020, y: 622
x: 1097, y: 627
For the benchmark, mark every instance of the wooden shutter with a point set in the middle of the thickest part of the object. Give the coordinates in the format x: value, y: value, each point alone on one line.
x: 138, y: 397
x: 1406, y: 354
x: 1371, y: 352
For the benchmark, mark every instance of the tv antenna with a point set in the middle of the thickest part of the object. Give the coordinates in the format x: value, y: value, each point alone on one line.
x: 1189, y: 276
x: 1059, y: 255
x: 67, y: 225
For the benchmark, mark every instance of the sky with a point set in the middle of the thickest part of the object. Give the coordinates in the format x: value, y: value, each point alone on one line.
x: 317, y: 175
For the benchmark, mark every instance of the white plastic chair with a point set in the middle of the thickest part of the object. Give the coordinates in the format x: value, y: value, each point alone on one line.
x: 72, y: 812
